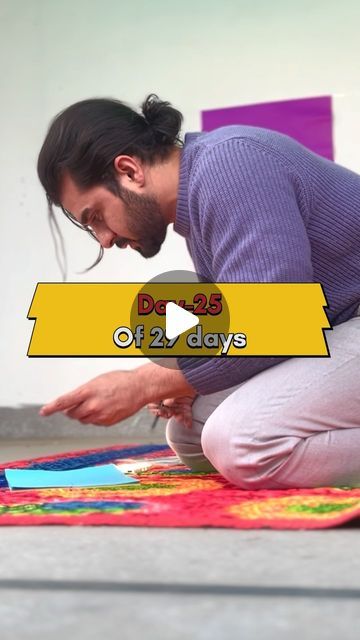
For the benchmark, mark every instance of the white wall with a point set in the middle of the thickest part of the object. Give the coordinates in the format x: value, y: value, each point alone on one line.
x: 198, y: 54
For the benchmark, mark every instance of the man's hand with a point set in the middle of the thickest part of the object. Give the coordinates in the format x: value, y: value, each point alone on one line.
x: 105, y: 400
x: 179, y: 408
x: 114, y: 396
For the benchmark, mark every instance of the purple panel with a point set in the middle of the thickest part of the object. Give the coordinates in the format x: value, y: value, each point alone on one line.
x: 308, y: 120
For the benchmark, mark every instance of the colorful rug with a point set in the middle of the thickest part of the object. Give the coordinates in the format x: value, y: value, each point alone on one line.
x: 169, y: 497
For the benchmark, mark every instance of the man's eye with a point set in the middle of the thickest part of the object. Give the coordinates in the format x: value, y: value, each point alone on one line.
x: 95, y: 218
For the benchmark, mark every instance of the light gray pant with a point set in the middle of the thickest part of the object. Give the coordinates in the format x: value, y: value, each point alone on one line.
x: 296, y: 424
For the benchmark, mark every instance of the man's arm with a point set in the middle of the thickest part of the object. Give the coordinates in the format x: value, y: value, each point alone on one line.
x: 161, y: 382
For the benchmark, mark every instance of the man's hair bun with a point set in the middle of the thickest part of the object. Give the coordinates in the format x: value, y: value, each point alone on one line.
x: 163, y: 119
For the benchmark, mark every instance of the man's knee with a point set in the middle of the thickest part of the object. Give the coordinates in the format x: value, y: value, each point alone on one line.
x: 186, y: 443
x: 175, y: 433
x: 181, y: 438
x: 245, y: 459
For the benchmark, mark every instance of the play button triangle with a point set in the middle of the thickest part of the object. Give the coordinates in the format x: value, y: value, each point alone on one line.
x: 178, y: 320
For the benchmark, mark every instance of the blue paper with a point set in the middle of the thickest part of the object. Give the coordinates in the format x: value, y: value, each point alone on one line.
x: 103, y: 475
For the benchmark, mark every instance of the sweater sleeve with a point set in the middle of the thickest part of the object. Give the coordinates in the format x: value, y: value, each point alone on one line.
x: 252, y: 213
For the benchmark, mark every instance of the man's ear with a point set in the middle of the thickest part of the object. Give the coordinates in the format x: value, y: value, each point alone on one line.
x: 130, y: 171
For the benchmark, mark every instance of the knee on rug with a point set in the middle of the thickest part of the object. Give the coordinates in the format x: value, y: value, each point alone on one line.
x: 248, y: 461
x: 186, y: 443
x: 180, y: 438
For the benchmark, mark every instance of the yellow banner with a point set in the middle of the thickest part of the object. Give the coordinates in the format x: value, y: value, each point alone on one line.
x: 129, y: 319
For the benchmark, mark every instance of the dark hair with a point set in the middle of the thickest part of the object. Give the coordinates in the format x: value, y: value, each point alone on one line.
x: 86, y: 137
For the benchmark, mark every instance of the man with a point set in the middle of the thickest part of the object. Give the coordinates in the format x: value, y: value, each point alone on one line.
x: 254, y: 206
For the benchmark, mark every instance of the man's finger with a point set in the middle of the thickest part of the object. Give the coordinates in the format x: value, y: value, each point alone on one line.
x: 78, y: 411
x: 68, y: 401
x: 87, y: 419
x: 153, y: 406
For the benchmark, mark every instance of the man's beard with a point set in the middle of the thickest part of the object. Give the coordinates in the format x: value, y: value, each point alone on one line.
x: 145, y: 222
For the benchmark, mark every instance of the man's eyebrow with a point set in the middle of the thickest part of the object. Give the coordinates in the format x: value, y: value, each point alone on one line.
x: 84, y: 217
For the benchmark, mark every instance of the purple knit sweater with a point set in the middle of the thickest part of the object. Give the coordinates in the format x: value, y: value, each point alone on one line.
x: 256, y: 206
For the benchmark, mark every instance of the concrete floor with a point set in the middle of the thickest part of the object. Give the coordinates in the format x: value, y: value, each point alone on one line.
x: 169, y: 584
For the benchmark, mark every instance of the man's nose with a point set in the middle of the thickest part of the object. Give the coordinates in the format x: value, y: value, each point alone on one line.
x: 106, y: 238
